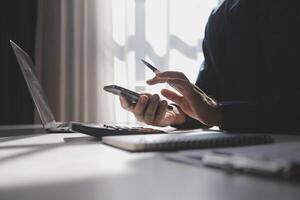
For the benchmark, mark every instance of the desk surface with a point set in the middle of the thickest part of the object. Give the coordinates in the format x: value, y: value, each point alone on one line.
x: 74, y: 167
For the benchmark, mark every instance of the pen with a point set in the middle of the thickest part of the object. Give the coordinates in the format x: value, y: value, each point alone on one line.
x: 151, y: 67
x: 205, y: 98
x: 155, y: 71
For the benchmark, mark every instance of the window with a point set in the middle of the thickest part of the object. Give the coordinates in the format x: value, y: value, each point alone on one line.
x: 167, y: 33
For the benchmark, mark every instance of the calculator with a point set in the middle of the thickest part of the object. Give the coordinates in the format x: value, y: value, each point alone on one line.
x: 101, y: 130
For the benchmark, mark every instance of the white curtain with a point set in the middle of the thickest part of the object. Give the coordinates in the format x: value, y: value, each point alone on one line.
x: 74, y: 58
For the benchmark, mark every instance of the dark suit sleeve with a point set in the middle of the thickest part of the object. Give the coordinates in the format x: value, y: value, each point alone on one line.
x: 275, y: 114
x: 278, y: 108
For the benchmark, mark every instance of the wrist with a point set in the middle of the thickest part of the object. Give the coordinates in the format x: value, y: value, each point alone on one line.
x: 216, y: 117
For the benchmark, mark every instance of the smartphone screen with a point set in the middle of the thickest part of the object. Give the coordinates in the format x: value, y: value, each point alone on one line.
x: 132, y: 96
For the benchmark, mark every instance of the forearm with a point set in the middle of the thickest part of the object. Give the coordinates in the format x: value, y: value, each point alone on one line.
x: 262, y: 116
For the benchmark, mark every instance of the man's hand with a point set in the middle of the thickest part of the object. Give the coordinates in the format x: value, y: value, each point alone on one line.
x: 190, y: 99
x: 151, y: 110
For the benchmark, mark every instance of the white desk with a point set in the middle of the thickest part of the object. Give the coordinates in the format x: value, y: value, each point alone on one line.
x: 49, y: 168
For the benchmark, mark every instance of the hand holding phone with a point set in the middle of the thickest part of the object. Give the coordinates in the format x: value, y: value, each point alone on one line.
x: 148, y: 108
x: 131, y: 96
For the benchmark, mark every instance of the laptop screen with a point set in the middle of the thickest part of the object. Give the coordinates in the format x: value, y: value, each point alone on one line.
x: 34, y: 86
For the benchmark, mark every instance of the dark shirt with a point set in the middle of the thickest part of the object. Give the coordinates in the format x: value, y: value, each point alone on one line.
x: 252, y: 65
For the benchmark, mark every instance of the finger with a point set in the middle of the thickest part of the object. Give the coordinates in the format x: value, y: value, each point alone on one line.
x: 184, y: 87
x: 161, y: 112
x: 173, y: 96
x: 150, y: 112
x: 125, y: 103
x: 140, y: 107
x: 147, y: 94
x: 169, y: 118
x: 156, y: 80
x: 171, y: 74
x: 162, y: 77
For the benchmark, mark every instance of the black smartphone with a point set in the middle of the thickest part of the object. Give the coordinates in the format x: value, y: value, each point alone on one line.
x: 131, y: 96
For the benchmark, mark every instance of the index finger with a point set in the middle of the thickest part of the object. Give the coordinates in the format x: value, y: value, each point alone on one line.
x: 162, y: 77
x: 171, y: 74
x: 156, y: 80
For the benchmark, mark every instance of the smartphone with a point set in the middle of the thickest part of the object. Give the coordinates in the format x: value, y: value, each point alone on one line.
x: 131, y: 96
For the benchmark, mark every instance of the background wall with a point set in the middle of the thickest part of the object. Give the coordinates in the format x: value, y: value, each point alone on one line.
x: 17, y: 22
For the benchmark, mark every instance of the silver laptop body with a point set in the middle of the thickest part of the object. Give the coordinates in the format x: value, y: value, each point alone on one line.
x: 37, y: 92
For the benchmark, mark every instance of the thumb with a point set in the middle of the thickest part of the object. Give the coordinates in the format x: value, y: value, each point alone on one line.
x: 125, y: 104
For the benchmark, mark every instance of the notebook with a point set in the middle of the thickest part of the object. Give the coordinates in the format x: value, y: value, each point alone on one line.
x: 180, y: 141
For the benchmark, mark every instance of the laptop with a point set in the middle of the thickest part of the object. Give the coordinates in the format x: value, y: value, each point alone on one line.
x: 46, y: 116
x: 37, y: 93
